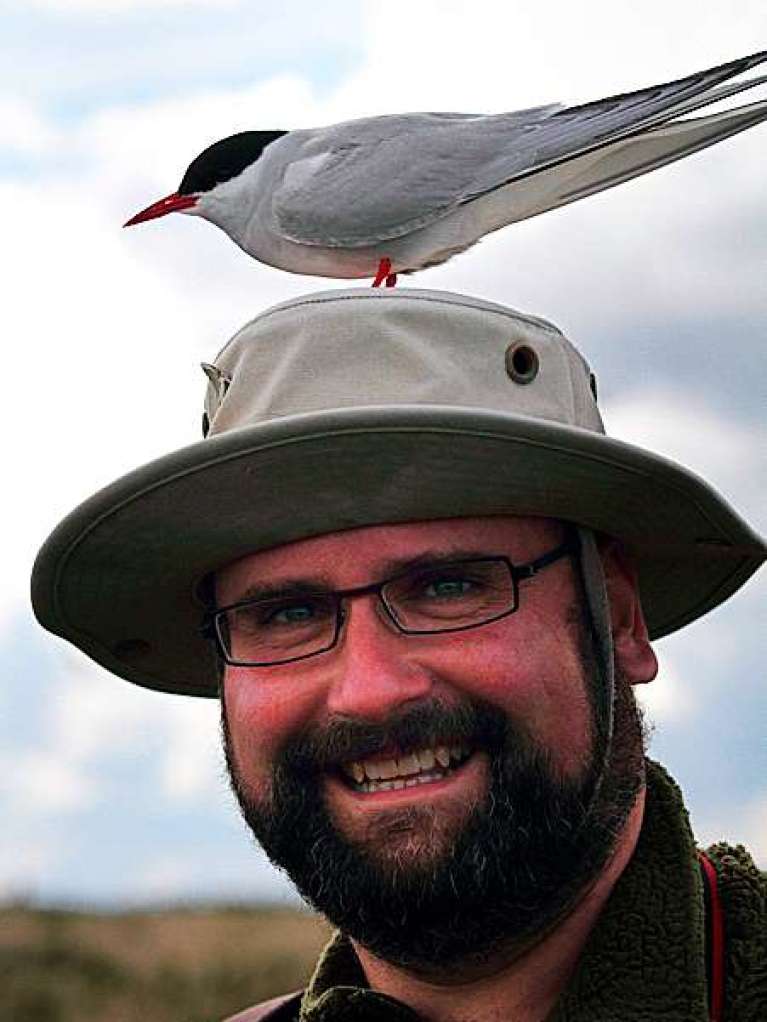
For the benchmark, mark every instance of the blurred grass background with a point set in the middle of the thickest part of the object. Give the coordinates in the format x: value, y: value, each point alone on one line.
x: 172, y: 965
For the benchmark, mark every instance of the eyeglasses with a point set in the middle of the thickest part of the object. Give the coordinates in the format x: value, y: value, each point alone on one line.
x: 450, y: 596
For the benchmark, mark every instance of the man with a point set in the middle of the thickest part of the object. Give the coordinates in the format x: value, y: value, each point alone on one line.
x: 424, y: 582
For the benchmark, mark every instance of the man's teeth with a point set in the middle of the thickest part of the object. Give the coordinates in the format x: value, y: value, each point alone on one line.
x: 406, y: 771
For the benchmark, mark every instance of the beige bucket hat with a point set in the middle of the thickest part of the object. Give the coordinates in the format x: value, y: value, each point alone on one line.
x: 353, y: 407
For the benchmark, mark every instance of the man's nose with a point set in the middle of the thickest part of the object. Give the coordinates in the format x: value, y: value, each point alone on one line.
x: 376, y: 669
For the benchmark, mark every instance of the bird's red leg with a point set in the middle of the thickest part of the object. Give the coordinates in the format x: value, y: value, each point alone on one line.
x: 383, y: 273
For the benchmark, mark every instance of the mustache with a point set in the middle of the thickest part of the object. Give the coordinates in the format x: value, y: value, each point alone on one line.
x: 341, y: 740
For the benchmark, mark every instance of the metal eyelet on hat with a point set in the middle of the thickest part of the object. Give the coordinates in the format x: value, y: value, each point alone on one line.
x: 522, y: 362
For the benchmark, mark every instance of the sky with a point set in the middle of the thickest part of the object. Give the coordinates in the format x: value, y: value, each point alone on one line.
x: 112, y: 795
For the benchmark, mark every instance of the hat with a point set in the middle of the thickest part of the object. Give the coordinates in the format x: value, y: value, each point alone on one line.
x: 354, y: 407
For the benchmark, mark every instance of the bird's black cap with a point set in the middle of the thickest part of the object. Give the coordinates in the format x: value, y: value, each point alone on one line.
x: 225, y: 159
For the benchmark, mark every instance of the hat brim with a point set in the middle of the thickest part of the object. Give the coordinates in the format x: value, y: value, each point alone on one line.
x: 119, y: 577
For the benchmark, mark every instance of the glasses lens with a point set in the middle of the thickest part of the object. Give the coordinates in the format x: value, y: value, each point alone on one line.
x: 448, y: 596
x: 267, y: 631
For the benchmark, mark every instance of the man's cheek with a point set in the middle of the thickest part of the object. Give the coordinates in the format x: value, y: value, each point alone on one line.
x: 248, y: 763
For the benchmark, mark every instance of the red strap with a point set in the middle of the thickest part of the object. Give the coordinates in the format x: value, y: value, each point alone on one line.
x: 716, y: 937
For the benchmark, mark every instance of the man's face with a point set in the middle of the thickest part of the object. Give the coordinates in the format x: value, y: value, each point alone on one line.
x: 489, y: 847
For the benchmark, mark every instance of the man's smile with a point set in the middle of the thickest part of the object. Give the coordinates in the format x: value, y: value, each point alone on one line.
x: 392, y: 773
x: 425, y: 775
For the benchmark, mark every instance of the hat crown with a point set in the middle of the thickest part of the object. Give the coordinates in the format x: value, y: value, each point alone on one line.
x: 363, y: 348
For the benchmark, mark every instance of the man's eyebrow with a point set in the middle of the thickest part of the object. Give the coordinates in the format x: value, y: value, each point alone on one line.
x: 283, y: 589
x: 286, y: 588
x: 435, y: 558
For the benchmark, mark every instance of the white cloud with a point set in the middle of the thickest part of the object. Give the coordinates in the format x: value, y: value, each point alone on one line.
x: 192, y: 763
x: 681, y: 426
x: 669, y: 698
x: 246, y: 875
x: 744, y: 823
x: 123, y: 6
x: 38, y: 781
x: 490, y: 55
x: 23, y: 128
x: 166, y: 877
x: 753, y: 828
x: 22, y: 862
x: 91, y: 719
x: 99, y: 718
x: 127, y: 145
x: 91, y: 716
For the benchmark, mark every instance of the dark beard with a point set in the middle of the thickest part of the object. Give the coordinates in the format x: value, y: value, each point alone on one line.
x: 430, y: 900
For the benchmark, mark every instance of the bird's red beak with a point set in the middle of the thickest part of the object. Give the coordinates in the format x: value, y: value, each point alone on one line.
x: 174, y: 203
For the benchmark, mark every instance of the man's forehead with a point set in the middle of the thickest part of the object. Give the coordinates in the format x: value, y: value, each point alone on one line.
x: 354, y: 556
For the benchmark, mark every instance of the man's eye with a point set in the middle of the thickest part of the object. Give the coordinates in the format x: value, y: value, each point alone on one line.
x: 255, y: 618
x: 290, y: 614
x: 447, y: 588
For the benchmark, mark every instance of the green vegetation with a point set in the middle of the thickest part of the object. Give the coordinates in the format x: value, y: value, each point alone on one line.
x: 179, y: 965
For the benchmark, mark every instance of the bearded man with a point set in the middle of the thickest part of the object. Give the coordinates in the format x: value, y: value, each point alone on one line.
x: 424, y: 583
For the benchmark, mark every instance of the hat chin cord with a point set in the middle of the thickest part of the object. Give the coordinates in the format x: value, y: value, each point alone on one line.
x: 592, y: 580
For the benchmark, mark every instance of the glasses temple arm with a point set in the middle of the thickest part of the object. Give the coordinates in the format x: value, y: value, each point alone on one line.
x: 571, y: 545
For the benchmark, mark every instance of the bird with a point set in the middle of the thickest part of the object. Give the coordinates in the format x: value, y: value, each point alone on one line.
x: 396, y: 193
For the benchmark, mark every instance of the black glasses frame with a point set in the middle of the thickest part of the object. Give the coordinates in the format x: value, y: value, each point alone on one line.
x: 214, y: 622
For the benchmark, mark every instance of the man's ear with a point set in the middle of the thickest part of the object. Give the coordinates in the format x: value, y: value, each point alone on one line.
x: 634, y: 655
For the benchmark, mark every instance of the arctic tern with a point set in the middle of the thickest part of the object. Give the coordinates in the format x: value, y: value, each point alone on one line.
x: 393, y: 194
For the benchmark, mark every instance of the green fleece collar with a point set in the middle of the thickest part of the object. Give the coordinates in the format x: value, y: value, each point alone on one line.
x: 644, y: 960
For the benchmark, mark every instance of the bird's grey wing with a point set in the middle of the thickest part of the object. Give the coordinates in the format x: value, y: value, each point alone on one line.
x: 576, y: 130
x: 611, y: 164
x: 368, y: 181
x: 363, y: 182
